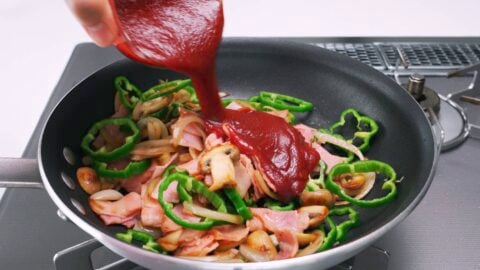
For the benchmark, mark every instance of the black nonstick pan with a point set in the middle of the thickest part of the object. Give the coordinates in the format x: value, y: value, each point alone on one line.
x: 331, y: 81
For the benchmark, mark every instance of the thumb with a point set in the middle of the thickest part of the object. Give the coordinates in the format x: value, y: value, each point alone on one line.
x: 97, y: 19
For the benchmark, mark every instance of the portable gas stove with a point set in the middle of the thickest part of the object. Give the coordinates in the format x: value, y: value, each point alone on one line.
x: 441, y: 233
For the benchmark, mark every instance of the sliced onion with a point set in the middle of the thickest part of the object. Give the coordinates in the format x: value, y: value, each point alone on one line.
x: 314, y: 246
x: 142, y: 152
x: 153, y: 144
x: 137, y: 111
x: 274, y: 239
x: 263, y: 185
x: 155, y: 104
x: 155, y: 127
x: 106, y: 195
x: 365, y: 189
x: 153, y: 231
x: 327, y: 138
x: 215, y: 215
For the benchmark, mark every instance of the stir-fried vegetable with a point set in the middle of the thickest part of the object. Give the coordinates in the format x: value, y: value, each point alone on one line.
x: 183, y: 187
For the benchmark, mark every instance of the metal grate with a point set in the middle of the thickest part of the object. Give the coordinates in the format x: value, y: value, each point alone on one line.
x: 431, y: 56
x: 367, y: 53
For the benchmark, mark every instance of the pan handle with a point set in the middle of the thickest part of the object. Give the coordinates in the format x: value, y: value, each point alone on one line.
x: 19, y: 172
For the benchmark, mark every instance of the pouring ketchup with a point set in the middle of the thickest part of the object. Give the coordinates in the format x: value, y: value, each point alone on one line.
x: 184, y: 35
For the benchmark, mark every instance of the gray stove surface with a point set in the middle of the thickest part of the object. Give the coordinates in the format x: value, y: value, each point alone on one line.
x: 441, y: 233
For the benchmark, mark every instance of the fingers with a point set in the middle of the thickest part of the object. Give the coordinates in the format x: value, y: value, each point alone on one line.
x: 97, y: 19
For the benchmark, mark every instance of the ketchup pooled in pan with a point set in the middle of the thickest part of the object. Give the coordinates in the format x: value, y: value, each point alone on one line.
x: 184, y: 35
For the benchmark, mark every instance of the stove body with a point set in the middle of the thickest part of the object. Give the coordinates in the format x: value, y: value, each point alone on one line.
x: 441, y: 233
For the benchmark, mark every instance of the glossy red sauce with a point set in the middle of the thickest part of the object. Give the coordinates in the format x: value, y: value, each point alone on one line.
x: 276, y: 147
x: 184, y: 35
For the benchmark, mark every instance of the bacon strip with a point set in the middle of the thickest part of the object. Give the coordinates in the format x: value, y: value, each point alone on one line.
x: 288, y: 242
x: 277, y: 220
x: 124, y: 211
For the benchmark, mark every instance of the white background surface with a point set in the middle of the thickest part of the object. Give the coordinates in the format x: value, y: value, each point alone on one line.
x: 37, y: 37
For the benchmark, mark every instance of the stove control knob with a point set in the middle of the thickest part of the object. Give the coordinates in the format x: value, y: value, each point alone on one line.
x: 415, y: 85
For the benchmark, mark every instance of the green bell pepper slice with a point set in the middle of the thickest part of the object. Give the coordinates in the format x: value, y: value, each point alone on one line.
x: 366, y: 128
x: 159, y: 90
x: 330, y: 238
x: 124, y: 87
x: 276, y: 205
x: 344, y: 227
x: 363, y: 167
x: 190, y: 184
x: 284, y: 102
x: 238, y: 203
x: 133, y: 168
x: 102, y: 154
x: 146, y: 239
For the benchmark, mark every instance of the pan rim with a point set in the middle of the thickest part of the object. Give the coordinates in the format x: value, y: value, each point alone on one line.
x: 346, y: 249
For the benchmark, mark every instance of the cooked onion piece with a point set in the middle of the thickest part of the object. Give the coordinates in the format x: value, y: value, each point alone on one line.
x: 152, y: 148
x: 208, y: 213
x: 156, y: 129
x: 327, y: 138
x: 263, y: 185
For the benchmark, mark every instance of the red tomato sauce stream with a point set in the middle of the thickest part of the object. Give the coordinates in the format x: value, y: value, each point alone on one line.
x: 284, y: 157
x: 184, y: 35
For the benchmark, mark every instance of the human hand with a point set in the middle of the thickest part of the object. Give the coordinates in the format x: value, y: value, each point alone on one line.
x: 97, y: 19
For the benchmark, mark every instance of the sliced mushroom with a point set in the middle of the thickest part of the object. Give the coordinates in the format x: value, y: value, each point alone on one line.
x: 316, y: 213
x: 305, y: 238
x: 317, y: 197
x: 88, y: 180
x: 353, y: 187
x: 219, y: 163
x: 258, y: 247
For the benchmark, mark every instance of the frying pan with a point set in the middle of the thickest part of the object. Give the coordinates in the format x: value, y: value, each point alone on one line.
x: 246, y: 66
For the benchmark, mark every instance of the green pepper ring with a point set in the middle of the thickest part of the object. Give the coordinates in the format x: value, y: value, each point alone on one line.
x: 344, y: 227
x: 279, y: 101
x: 190, y: 184
x: 363, y: 167
x: 237, y: 201
x: 331, y: 238
x: 121, y: 151
x: 366, y: 136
